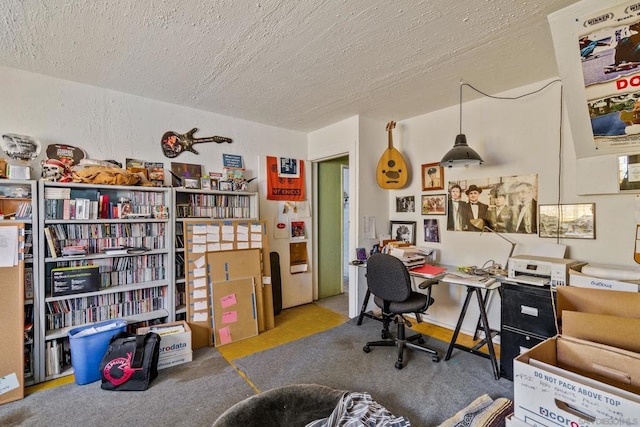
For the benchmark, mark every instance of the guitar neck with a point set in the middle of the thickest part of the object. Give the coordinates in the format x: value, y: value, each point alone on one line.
x: 217, y: 139
x: 390, y: 140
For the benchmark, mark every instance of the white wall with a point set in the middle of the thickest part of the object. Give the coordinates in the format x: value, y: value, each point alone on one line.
x: 514, y: 137
x: 114, y: 125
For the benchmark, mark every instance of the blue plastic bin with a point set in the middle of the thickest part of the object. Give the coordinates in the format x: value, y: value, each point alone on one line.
x: 88, y: 348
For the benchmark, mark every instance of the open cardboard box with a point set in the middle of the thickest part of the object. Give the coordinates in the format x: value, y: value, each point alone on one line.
x: 590, y: 374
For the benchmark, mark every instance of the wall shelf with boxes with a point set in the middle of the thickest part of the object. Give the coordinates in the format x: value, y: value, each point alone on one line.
x: 211, y: 204
x: 18, y: 203
x: 109, y: 255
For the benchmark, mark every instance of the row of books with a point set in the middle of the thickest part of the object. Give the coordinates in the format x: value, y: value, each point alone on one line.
x: 219, y: 200
x: 60, y: 236
x: 84, y: 209
x: 104, y: 312
x: 136, y: 198
x: 23, y: 211
x: 107, y: 265
x: 57, y: 356
x: 100, y: 230
x: 213, y: 212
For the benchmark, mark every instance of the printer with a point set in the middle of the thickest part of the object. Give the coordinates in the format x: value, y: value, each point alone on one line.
x: 539, y: 271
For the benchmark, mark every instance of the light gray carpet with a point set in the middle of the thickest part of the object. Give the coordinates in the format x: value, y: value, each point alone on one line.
x: 426, y: 393
x: 193, y: 394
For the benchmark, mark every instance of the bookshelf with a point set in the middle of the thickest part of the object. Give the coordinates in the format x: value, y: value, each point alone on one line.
x: 210, y: 204
x: 133, y: 283
x: 18, y: 200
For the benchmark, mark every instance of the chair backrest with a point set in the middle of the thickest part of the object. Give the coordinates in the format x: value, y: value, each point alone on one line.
x: 388, y: 278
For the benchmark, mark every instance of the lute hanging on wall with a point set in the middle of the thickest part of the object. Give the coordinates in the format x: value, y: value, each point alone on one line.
x: 392, y: 170
x: 175, y: 143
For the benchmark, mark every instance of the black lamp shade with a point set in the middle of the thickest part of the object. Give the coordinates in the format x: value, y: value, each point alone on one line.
x: 461, y: 154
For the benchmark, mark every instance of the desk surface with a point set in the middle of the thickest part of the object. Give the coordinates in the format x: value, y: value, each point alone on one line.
x: 452, y: 275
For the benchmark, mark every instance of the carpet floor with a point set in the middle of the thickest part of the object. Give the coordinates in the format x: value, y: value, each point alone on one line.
x: 310, y: 344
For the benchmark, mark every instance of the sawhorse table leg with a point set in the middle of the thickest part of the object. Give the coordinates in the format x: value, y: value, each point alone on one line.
x: 485, y: 325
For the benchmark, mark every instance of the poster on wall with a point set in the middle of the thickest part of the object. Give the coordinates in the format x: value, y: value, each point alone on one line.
x: 288, y: 187
x: 610, y: 58
x: 598, y: 55
x: 507, y: 204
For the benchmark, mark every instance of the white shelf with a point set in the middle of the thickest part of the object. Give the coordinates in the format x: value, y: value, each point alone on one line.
x: 146, y: 199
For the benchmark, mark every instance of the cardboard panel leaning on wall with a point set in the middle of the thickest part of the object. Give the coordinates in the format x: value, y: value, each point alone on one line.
x: 12, y: 331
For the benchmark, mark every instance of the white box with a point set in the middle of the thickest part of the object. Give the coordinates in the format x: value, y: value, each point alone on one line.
x: 589, y: 375
x: 512, y: 421
x: 577, y: 278
x: 175, y: 348
x: 557, y: 396
x: 176, y: 359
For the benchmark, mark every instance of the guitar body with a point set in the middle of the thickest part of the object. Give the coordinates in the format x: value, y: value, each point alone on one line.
x: 392, y: 172
x: 175, y: 143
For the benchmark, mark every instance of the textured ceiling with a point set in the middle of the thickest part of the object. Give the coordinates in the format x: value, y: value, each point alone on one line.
x: 297, y: 64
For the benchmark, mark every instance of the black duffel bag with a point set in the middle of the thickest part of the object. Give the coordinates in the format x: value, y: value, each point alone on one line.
x: 130, y: 362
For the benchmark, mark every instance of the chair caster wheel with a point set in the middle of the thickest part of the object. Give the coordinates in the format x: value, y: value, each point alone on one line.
x: 366, y: 349
x: 420, y: 340
x: 435, y: 359
x: 385, y: 335
x: 399, y: 365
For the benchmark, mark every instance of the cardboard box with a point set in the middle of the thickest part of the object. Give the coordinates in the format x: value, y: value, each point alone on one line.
x: 177, y: 359
x: 589, y: 375
x: 512, y: 421
x: 578, y: 278
x: 175, y: 348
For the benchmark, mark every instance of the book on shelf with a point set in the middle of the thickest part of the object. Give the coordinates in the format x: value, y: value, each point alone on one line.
x: 116, y: 250
x: 52, y: 242
x: 74, y: 250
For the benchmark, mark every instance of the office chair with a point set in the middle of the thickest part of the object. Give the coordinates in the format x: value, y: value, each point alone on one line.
x: 389, y: 281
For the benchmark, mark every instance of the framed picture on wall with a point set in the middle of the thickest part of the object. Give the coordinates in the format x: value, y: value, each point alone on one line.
x: 568, y: 221
x: 432, y: 177
x: 434, y: 204
x: 403, y: 231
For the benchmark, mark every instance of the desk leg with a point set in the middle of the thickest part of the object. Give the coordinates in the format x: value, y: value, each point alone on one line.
x: 487, y: 333
x: 364, y: 307
x: 485, y: 324
x: 452, y: 344
x: 479, y: 322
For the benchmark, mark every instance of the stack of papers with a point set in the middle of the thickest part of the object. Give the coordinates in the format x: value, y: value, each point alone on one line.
x: 468, y: 279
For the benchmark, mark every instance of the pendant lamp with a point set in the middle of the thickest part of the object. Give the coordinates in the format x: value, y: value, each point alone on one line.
x: 461, y: 154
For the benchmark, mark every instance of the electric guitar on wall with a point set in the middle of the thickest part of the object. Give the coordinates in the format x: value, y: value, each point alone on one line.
x: 392, y: 170
x: 175, y: 143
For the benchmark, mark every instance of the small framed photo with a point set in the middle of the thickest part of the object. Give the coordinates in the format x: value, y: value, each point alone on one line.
x: 361, y: 254
x: 406, y: 204
x: 403, y: 231
x: 214, y: 183
x: 191, y: 183
x: 432, y: 177
x: 434, y: 204
x: 205, y: 183
x: 225, y: 186
x: 568, y: 221
x: 431, y: 231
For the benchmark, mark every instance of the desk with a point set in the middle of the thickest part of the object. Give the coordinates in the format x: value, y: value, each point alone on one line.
x: 363, y: 310
x: 475, y: 286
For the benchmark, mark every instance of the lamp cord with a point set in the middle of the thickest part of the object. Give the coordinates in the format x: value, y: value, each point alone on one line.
x: 460, y: 103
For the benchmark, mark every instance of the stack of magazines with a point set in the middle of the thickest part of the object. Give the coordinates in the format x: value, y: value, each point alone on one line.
x: 74, y: 251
